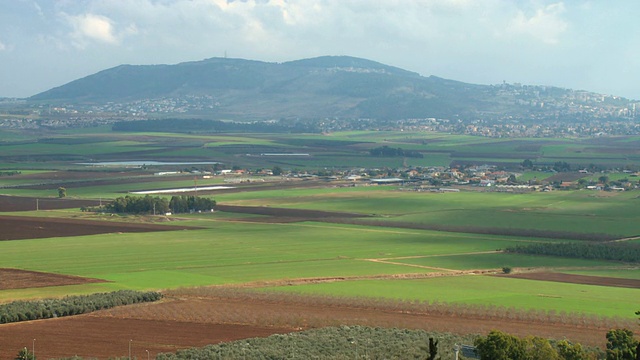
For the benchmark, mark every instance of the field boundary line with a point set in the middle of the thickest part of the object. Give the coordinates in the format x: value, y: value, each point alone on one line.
x: 381, y: 261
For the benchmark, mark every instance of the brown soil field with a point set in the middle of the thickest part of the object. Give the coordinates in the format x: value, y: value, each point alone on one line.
x: 17, y: 228
x: 185, y: 321
x: 20, y: 203
x: 95, y: 336
x: 578, y: 279
x: 24, y: 279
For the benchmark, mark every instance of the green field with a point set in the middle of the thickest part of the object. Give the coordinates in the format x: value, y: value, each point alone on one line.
x: 487, y: 290
x: 233, y: 248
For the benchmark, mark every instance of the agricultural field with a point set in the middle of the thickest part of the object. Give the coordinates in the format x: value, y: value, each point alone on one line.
x: 283, y: 254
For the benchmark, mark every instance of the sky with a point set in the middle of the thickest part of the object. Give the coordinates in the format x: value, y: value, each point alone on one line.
x: 578, y: 44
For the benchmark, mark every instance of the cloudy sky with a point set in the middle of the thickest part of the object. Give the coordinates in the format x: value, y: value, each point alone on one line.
x: 580, y: 44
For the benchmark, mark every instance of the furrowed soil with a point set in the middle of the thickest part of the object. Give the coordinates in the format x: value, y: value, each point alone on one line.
x: 24, y: 279
x: 182, y: 321
x: 18, y: 228
x: 95, y: 336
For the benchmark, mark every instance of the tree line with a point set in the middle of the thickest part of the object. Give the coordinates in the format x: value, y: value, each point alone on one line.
x: 596, y: 251
x: 385, y: 151
x: 71, y: 305
x: 156, y: 205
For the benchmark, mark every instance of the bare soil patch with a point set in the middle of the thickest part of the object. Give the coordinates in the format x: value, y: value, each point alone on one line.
x: 104, y: 337
x: 17, y: 228
x: 578, y: 279
x: 24, y: 279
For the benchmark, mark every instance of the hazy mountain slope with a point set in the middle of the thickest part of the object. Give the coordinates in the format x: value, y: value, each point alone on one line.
x: 328, y: 86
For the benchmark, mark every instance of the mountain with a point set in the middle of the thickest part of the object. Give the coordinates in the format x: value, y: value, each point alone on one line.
x: 328, y: 86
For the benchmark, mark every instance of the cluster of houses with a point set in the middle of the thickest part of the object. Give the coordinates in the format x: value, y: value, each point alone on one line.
x: 482, y: 177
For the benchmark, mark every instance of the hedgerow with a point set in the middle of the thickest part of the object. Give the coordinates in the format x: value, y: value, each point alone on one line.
x: 607, y: 251
x: 71, y: 305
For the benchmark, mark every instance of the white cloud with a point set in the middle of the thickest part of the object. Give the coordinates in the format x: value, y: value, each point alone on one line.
x: 2, y: 46
x: 545, y: 25
x: 92, y: 27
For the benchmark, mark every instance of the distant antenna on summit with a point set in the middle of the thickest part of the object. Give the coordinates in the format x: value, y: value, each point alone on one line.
x: 225, y: 54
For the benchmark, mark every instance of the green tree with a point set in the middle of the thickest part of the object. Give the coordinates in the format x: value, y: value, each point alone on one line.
x: 62, y: 192
x: 538, y: 348
x: 500, y: 346
x: 277, y: 170
x: 527, y: 164
x: 621, y: 345
x: 569, y: 351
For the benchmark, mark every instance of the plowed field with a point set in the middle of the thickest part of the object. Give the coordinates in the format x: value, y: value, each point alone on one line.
x: 102, y: 337
x: 579, y: 279
x: 23, y: 279
x: 16, y: 228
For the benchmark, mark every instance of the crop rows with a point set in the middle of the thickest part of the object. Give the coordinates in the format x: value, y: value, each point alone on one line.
x: 288, y: 317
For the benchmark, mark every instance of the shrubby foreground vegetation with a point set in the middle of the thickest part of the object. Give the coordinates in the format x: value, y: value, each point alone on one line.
x: 349, y: 342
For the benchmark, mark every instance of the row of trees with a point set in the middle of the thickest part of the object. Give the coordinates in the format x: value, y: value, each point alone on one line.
x: 182, y: 204
x: 385, y: 151
x: 157, y: 205
x: 609, y: 251
x: 71, y: 305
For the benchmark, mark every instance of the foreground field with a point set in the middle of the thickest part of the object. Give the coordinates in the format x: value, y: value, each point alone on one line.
x: 199, y: 317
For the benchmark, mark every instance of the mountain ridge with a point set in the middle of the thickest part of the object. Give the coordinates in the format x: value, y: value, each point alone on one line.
x: 326, y: 86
